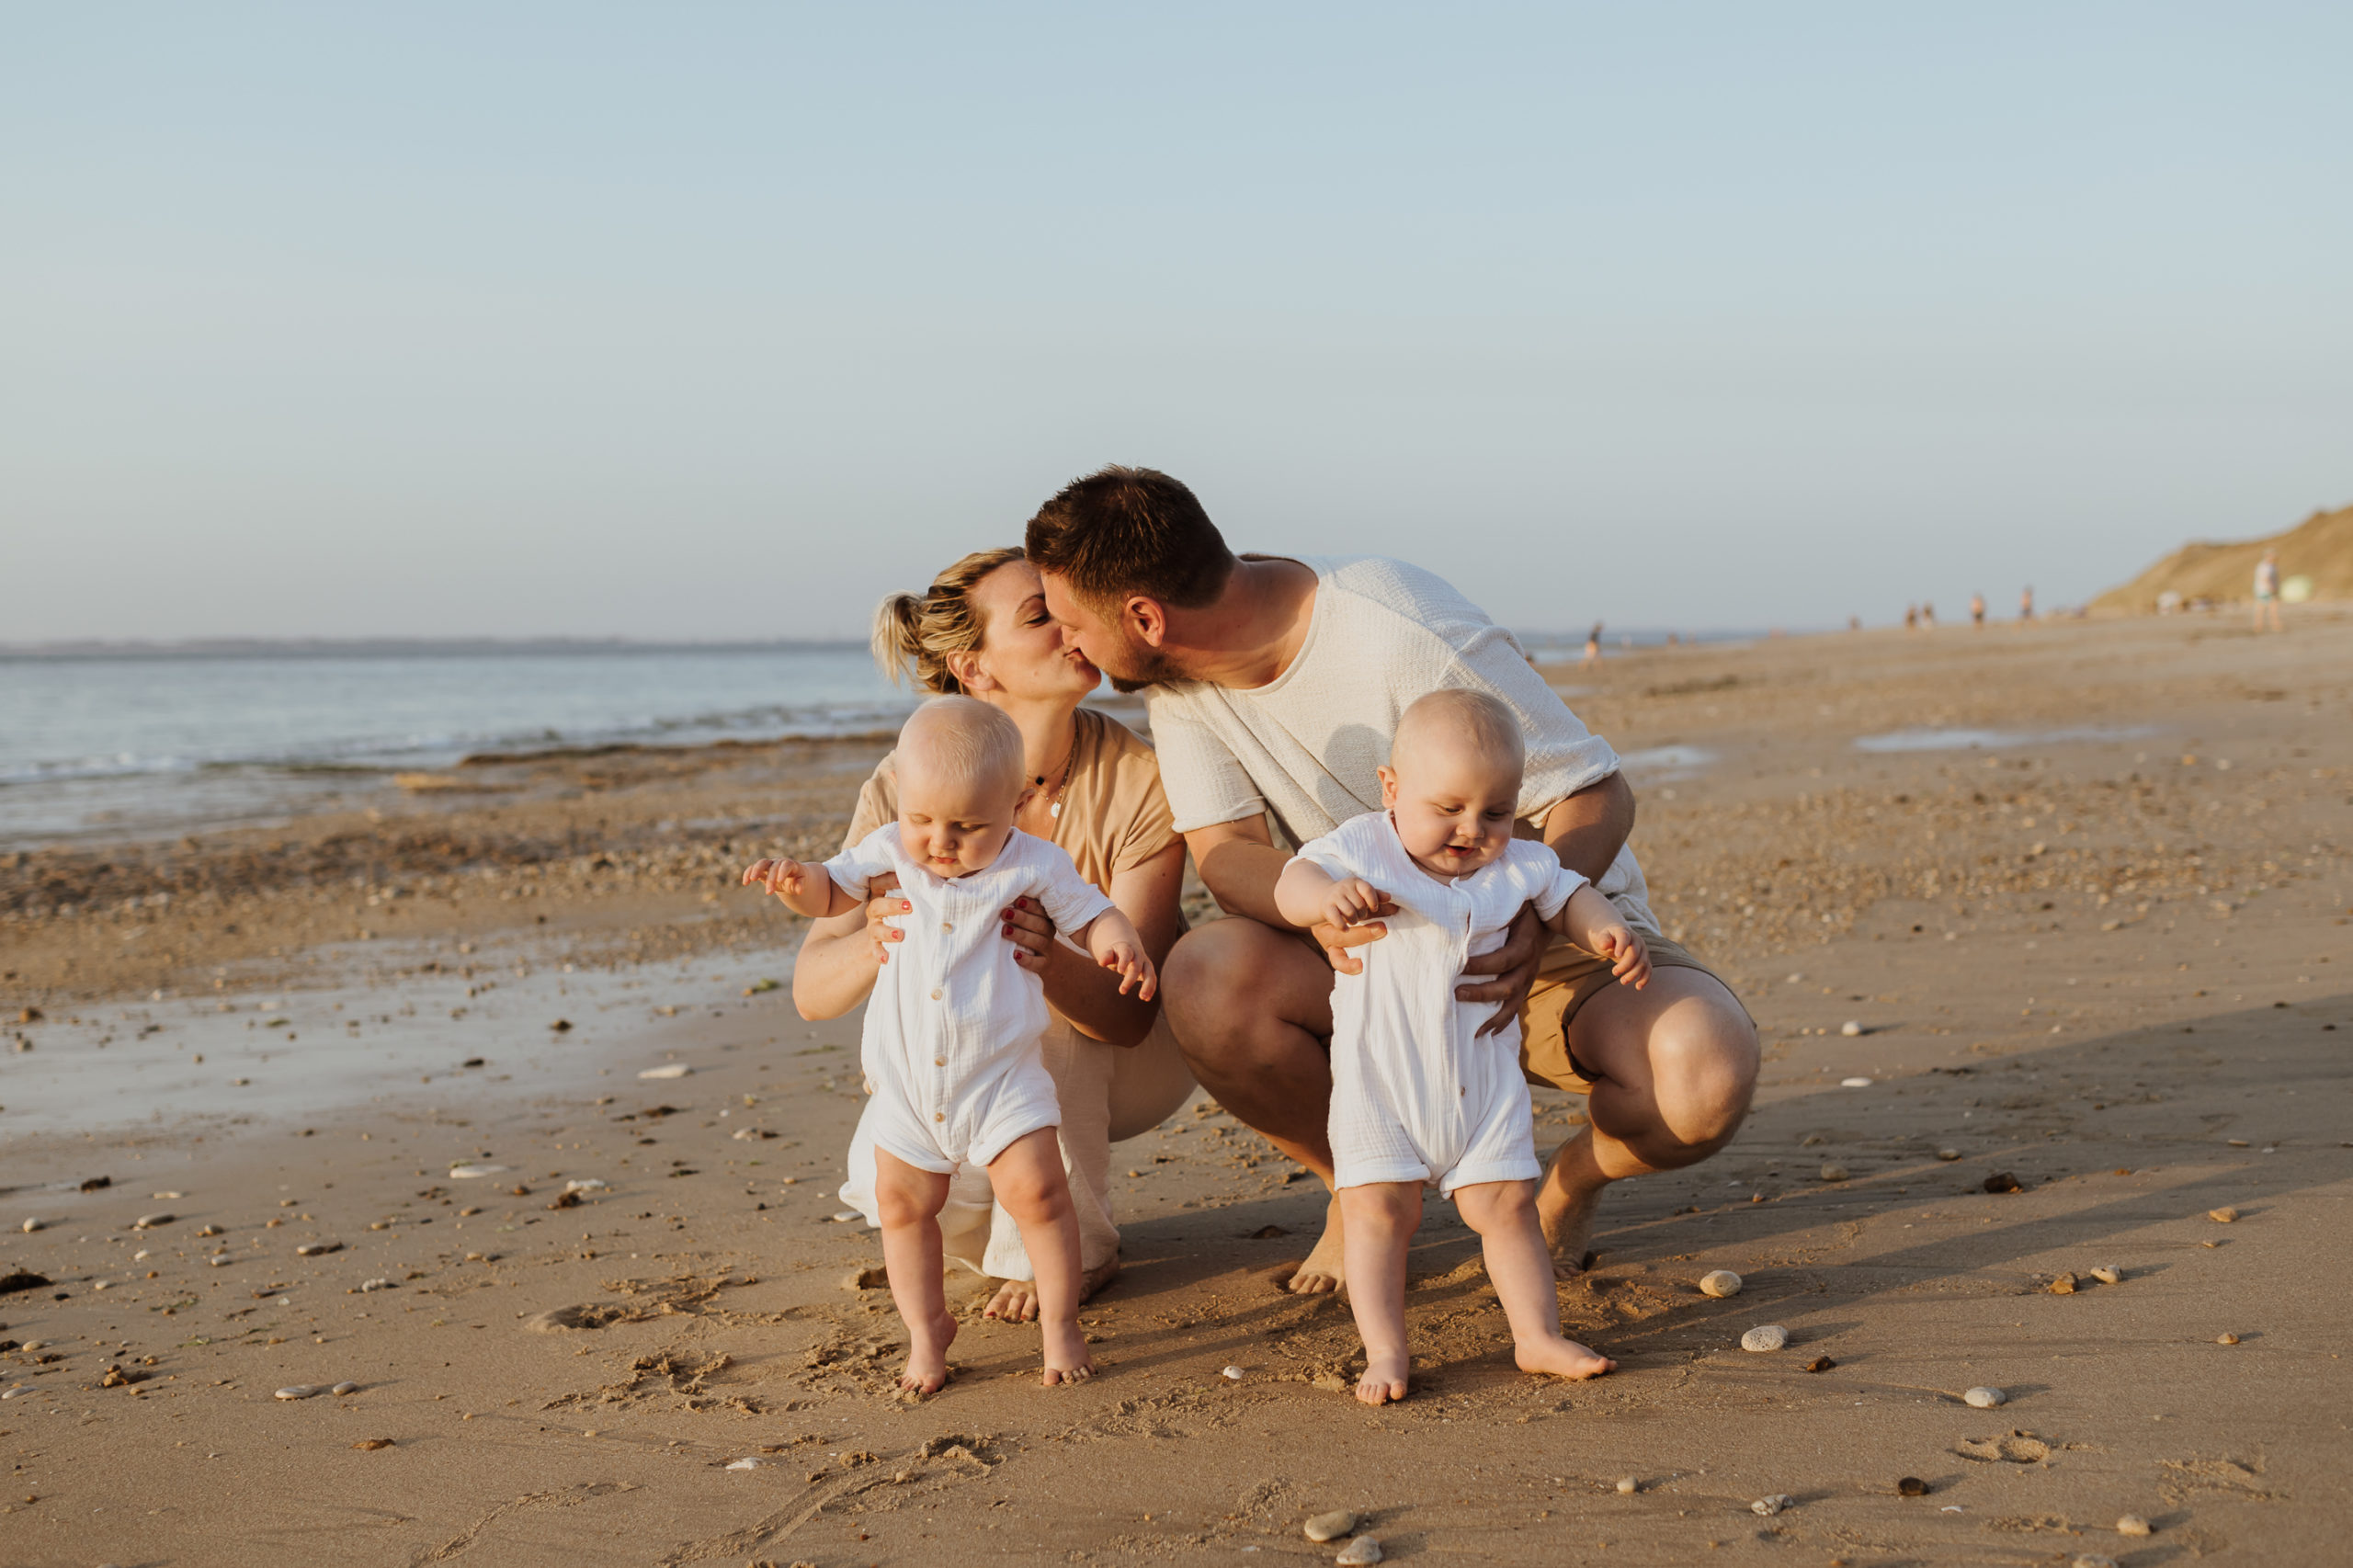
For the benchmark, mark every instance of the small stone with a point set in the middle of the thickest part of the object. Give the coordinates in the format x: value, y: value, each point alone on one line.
x: 2132, y: 1523
x: 2094, y: 1560
x: 1985, y: 1398
x: 2108, y: 1274
x: 2226, y: 1339
x: 2224, y: 1215
x: 1720, y: 1282
x: 1834, y: 1171
x: 317, y: 1249
x: 1851, y: 1028
x: 298, y: 1390
x: 749, y: 1461
x: 2064, y: 1286
x: 32, y: 1225
x: 844, y: 1216
x: 1768, y: 1507
x: 586, y: 1183
x: 1331, y: 1525
x: 366, y: 1285
x: 474, y: 1173
x: 369, y: 1445
x: 1911, y: 1486
x: 561, y: 1026
x: 1764, y: 1337
x: 1364, y: 1550
x: 1234, y: 1374
x: 2002, y: 1181
x: 668, y: 1070
x: 154, y: 1222
x: 1628, y: 1487
x: 342, y: 1389
x: 1819, y: 1364
x: 1947, y: 1155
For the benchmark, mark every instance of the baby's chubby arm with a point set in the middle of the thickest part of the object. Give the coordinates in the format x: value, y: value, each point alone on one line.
x: 1592, y: 922
x: 805, y: 890
x: 1308, y: 895
x: 1112, y: 938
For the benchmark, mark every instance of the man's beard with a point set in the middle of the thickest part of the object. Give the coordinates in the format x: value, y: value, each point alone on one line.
x: 1150, y: 668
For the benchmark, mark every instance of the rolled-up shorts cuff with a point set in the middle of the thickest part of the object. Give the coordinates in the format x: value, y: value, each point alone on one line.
x: 1470, y: 1175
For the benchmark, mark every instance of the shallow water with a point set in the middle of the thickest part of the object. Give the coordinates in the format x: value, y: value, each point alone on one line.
x: 1989, y: 740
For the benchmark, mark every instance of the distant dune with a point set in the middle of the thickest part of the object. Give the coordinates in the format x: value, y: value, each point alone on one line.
x: 2320, y: 548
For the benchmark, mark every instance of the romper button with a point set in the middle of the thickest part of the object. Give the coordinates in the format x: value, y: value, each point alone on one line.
x: 939, y: 1061
x: 947, y: 925
x: 936, y: 993
x: 939, y: 1116
x: 1466, y: 1091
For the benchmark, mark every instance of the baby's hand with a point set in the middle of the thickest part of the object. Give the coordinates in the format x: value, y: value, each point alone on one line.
x: 1352, y: 902
x: 781, y: 878
x: 1134, y: 969
x: 1629, y: 959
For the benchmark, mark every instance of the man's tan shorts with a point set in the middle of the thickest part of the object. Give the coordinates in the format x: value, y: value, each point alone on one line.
x: 1570, y: 978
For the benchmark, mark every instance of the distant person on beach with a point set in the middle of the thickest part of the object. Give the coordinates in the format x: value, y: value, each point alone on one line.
x: 1911, y: 618
x: 2025, y: 603
x: 955, y: 1078
x: 1441, y: 863
x: 1274, y: 686
x: 1593, y: 645
x: 1977, y: 610
x: 980, y: 630
x: 2267, y: 593
x: 1928, y: 617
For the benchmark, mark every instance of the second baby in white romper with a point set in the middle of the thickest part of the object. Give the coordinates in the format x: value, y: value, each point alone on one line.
x: 1417, y: 1095
x: 952, y: 1032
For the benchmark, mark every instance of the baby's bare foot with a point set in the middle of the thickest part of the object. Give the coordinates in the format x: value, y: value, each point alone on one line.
x: 1324, y: 1270
x: 927, y: 1354
x: 1384, y: 1379
x: 1016, y: 1300
x: 1560, y: 1358
x: 1066, y: 1357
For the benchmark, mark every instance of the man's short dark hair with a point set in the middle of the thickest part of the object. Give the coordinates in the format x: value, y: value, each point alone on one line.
x: 1130, y: 530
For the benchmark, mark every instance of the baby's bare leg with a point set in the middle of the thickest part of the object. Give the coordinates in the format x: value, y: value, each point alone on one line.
x: 1504, y: 1213
x: 1379, y: 1218
x: 1029, y: 1181
x: 908, y: 1201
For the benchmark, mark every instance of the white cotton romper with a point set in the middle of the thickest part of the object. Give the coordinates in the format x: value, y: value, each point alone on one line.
x: 951, y: 1045
x: 1416, y: 1094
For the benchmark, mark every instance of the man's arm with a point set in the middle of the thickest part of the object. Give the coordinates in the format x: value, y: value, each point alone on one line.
x: 1586, y: 831
x: 1240, y: 866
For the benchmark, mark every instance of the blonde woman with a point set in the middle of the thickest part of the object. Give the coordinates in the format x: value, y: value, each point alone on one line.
x: 982, y: 630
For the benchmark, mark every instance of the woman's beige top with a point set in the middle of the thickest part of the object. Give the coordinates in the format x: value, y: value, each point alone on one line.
x: 1114, y: 816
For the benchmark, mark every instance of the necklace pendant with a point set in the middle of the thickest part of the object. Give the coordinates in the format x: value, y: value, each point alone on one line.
x: 1055, y: 811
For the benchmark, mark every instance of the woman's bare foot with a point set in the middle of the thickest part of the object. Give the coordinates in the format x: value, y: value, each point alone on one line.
x: 1562, y: 1357
x: 1016, y: 1300
x: 1384, y: 1379
x: 927, y: 1354
x: 1323, y: 1272
x: 1066, y: 1357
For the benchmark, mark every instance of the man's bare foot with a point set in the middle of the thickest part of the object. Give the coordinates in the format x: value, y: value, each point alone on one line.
x: 927, y: 1354
x: 1016, y: 1300
x: 1562, y: 1357
x: 1566, y: 1216
x: 1066, y: 1357
x: 1384, y: 1379
x: 1323, y: 1273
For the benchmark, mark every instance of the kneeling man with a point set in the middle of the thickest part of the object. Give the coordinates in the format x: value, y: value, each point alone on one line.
x: 1274, y: 686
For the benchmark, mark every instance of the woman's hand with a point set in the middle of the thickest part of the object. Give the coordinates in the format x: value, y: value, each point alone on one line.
x: 882, y: 900
x: 1032, y: 932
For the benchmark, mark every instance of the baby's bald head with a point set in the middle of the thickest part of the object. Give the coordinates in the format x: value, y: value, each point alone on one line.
x: 964, y: 740
x: 1453, y: 722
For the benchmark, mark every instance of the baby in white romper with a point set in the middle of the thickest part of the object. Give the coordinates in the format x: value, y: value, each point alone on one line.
x: 951, y: 1048
x: 1418, y: 1097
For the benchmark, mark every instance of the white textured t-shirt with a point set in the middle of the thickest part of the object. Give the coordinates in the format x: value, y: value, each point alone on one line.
x: 1306, y: 746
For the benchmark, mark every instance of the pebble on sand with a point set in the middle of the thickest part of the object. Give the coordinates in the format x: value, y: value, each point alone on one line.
x: 1628, y: 1487
x: 1365, y: 1548
x: 2094, y: 1560
x: 668, y: 1070
x: 299, y: 1391
x: 1329, y: 1527
x: 1850, y: 1028
x: 32, y: 1225
x: 844, y: 1216
x: 2108, y: 1274
x: 1819, y: 1364
x: 1834, y: 1171
x: 1234, y: 1374
x: 2224, y: 1215
x: 1983, y: 1398
x: 2132, y: 1523
x: 2003, y: 1181
x: 2064, y: 1286
x: 342, y: 1389
x: 1947, y: 1155
x: 469, y: 1173
x: 154, y: 1222
x: 2226, y: 1339
x: 1720, y: 1282
x: 1911, y: 1486
x: 369, y: 1445
x: 1764, y: 1337
x: 1768, y: 1507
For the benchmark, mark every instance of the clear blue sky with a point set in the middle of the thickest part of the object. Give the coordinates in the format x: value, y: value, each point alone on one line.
x: 719, y: 321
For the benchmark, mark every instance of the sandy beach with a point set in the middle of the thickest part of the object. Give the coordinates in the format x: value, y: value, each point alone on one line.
x: 488, y: 1100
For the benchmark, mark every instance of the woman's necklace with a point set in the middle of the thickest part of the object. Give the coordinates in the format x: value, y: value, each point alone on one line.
x: 1054, y: 797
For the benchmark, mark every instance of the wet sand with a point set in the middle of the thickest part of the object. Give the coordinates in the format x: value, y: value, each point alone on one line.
x: 2093, y: 960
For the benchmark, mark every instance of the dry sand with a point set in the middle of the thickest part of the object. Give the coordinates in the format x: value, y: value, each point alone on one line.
x: 2108, y: 961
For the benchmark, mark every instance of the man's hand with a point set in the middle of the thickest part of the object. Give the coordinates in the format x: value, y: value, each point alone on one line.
x: 1336, y: 939
x: 1514, y: 966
